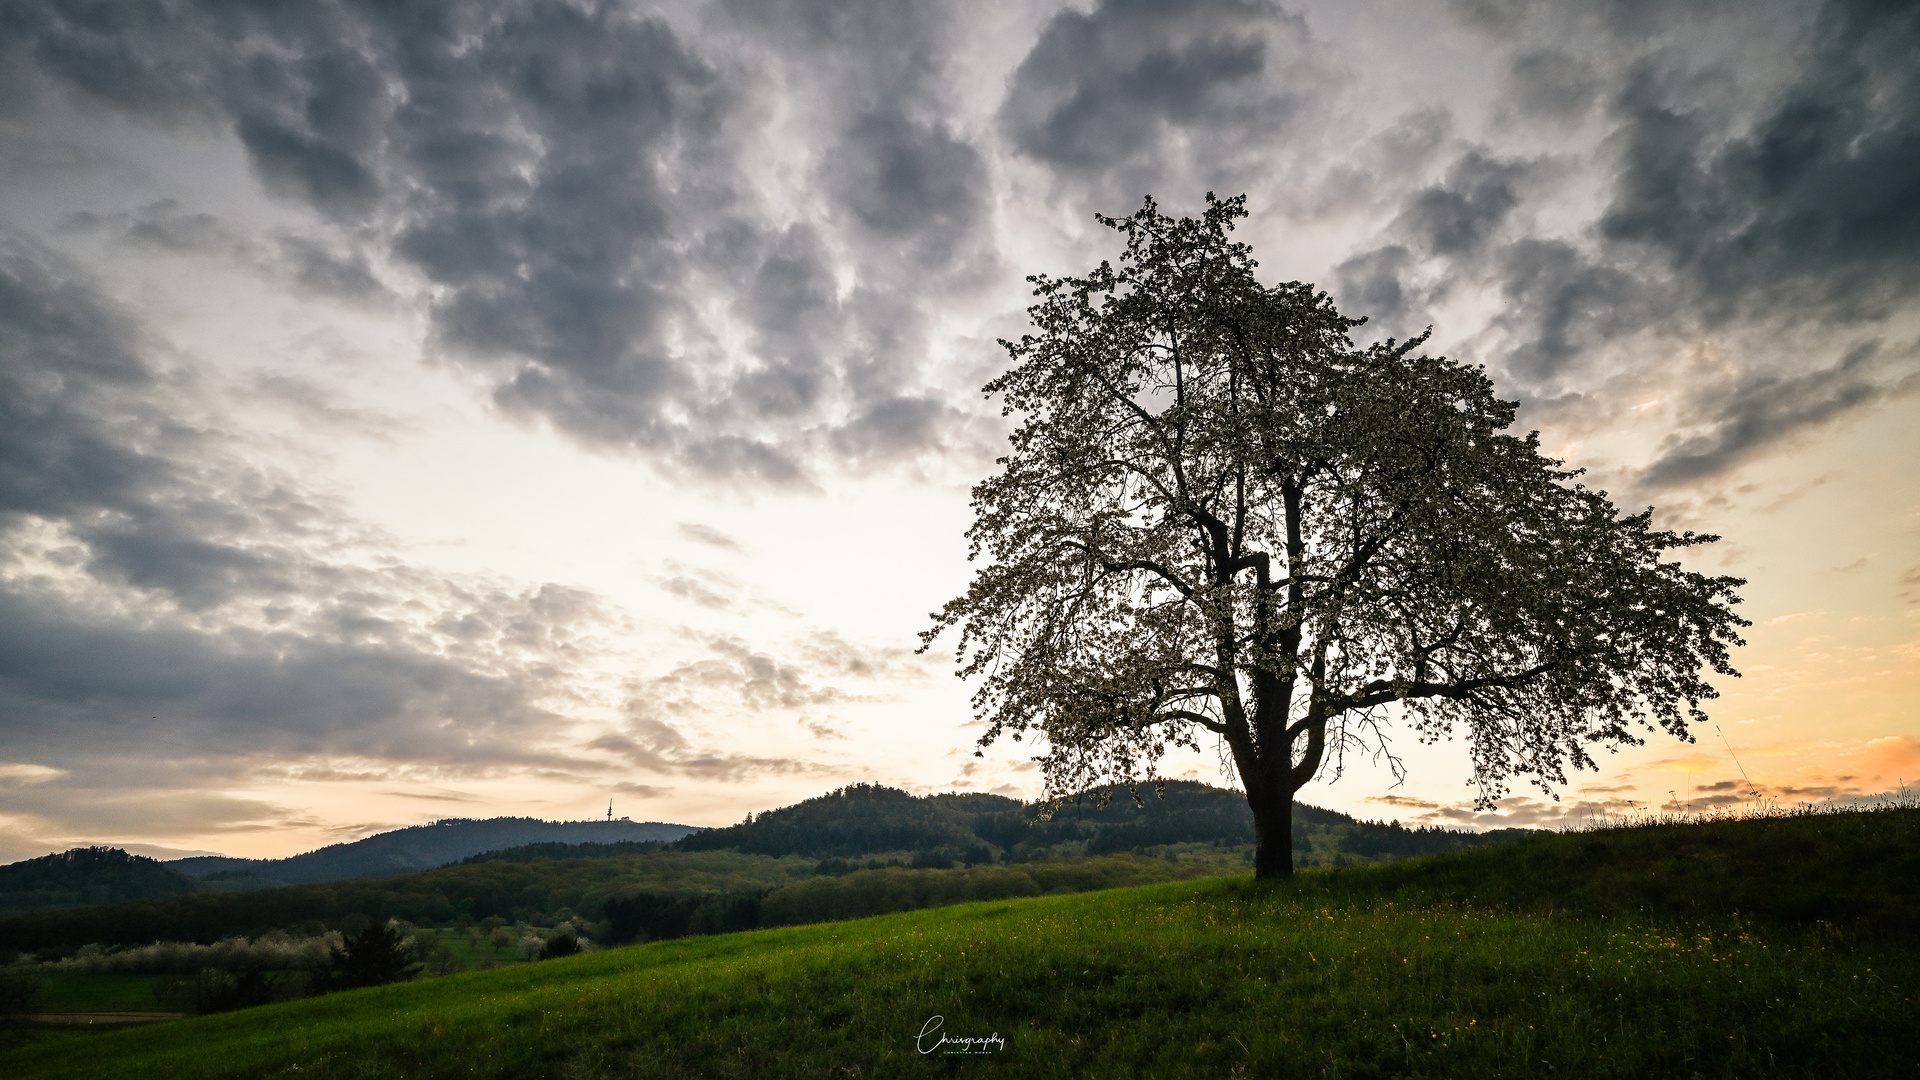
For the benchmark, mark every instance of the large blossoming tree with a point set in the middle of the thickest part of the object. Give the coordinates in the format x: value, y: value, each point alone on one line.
x: 1220, y: 521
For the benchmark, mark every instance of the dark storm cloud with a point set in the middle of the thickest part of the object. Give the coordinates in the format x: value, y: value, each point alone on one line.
x: 1373, y: 174
x: 1551, y: 84
x: 893, y: 427
x: 539, y: 150
x: 63, y: 357
x: 348, y: 683
x: 1632, y: 20
x: 1815, y: 204
x: 1561, y: 306
x: 1761, y: 199
x: 909, y: 215
x: 347, y: 276
x: 1559, y: 303
x: 1556, y: 301
x: 1765, y: 409
x: 1139, y: 91
x: 796, y: 316
x: 1456, y: 217
x: 87, y: 440
x: 914, y: 185
x: 568, y: 179
x: 1373, y: 283
x: 1808, y: 215
x: 167, y: 601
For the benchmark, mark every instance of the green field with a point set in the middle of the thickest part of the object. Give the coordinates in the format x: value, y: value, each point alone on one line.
x: 469, y: 950
x: 1628, y: 953
x: 77, y: 992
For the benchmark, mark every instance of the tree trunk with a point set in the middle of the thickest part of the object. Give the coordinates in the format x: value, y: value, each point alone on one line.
x: 1272, y: 836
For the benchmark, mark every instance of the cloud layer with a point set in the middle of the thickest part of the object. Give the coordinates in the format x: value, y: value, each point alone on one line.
x: 1765, y: 198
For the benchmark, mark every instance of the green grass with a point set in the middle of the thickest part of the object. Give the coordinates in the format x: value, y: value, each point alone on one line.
x: 78, y: 992
x: 1448, y: 967
x: 82, y: 991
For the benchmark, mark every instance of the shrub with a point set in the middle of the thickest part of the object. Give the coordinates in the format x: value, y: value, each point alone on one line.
x: 212, y: 990
x: 19, y: 985
x: 269, y: 952
x: 375, y: 956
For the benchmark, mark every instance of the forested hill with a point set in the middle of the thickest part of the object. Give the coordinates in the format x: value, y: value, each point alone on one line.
x: 91, y: 875
x: 978, y: 828
x: 865, y: 819
x: 421, y: 847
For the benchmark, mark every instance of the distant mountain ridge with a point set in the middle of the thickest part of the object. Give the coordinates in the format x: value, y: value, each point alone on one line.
x: 420, y: 847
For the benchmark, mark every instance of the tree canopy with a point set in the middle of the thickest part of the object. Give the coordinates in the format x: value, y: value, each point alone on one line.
x: 375, y: 956
x: 1220, y: 519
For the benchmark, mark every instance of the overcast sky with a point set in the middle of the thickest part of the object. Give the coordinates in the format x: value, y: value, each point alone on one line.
x: 414, y: 410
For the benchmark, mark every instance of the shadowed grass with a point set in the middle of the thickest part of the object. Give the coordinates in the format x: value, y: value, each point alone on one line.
x: 1449, y: 968
x: 1859, y: 870
x: 65, y: 992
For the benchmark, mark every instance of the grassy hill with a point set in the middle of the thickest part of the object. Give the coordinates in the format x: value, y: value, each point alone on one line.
x: 1775, y: 947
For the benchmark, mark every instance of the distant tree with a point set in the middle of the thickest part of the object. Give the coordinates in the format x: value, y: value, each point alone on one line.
x: 19, y: 986
x: 217, y: 990
x: 373, y: 956
x: 434, y: 954
x: 559, y: 945
x: 1221, y: 518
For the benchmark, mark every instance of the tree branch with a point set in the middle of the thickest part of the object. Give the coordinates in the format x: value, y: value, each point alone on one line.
x: 1203, y: 720
x: 1113, y: 566
x: 1380, y: 691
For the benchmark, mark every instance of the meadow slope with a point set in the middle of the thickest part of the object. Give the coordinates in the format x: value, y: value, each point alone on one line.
x: 1546, y: 958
